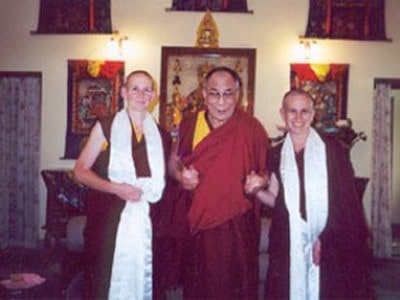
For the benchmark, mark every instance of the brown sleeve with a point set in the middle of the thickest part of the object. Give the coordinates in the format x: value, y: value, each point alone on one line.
x: 105, y: 123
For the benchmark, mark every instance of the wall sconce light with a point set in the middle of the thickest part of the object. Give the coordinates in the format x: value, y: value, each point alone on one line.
x: 119, y: 46
x: 307, y: 49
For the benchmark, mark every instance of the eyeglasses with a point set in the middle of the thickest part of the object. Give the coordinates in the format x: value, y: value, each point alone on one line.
x: 136, y: 91
x: 228, y: 95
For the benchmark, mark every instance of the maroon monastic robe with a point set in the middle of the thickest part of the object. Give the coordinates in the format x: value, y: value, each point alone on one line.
x: 217, y: 224
x: 345, y: 255
x: 103, y: 215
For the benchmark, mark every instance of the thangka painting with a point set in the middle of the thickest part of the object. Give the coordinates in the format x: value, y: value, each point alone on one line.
x: 74, y: 16
x: 347, y: 19
x: 183, y: 70
x: 327, y: 84
x: 212, y: 5
x: 93, y: 92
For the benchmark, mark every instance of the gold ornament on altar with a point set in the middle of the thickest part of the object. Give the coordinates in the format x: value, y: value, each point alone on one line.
x: 207, y: 32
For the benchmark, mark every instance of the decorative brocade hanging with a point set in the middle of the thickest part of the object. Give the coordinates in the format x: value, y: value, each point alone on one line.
x: 347, y: 19
x: 212, y: 5
x: 75, y: 16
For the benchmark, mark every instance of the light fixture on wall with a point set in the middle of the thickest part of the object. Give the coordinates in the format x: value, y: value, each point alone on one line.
x: 307, y: 49
x: 119, y: 46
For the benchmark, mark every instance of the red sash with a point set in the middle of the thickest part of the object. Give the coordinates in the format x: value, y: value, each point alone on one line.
x: 223, y: 159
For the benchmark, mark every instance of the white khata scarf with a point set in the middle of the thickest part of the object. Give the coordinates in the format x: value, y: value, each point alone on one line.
x: 304, y: 274
x: 131, y: 276
x: 121, y: 166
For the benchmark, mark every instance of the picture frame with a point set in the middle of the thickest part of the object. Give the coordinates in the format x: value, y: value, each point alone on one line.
x: 328, y: 85
x: 182, y: 74
x: 93, y: 92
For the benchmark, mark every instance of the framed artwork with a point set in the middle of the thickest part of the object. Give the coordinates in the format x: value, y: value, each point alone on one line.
x: 327, y: 84
x: 93, y: 92
x: 212, y: 5
x: 182, y: 74
x: 74, y: 16
x: 347, y: 19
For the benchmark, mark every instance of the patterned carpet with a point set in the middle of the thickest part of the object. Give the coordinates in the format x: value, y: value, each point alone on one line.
x: 385, y: 275
x: 32, y: 261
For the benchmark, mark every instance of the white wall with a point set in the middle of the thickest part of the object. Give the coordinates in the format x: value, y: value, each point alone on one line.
x: 273, y: 30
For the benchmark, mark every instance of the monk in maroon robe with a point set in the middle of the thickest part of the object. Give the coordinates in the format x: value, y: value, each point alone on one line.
x: 318, y: 226
x: 217, y: 221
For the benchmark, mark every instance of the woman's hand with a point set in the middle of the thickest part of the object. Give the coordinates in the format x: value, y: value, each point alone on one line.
x: 127, y: 192
x: 265, y: 190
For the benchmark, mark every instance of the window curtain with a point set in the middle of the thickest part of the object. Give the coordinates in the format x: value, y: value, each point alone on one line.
x: 20, y: 110
x: 382, y: 171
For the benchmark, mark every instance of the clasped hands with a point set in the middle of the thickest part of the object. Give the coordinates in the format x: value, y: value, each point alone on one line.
x: 189, y: 178
x: 255, y: 182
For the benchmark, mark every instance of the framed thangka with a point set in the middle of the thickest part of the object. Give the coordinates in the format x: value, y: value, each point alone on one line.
x: 182, y: 74
x: 93, y: 92
x: 327, y: 84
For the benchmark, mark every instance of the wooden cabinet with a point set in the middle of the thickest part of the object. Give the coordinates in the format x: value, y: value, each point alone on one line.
x: 65, y: 199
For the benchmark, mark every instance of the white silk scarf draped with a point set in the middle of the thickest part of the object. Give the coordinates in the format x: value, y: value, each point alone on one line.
x: 304, y: 274
x: 131, y: 276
